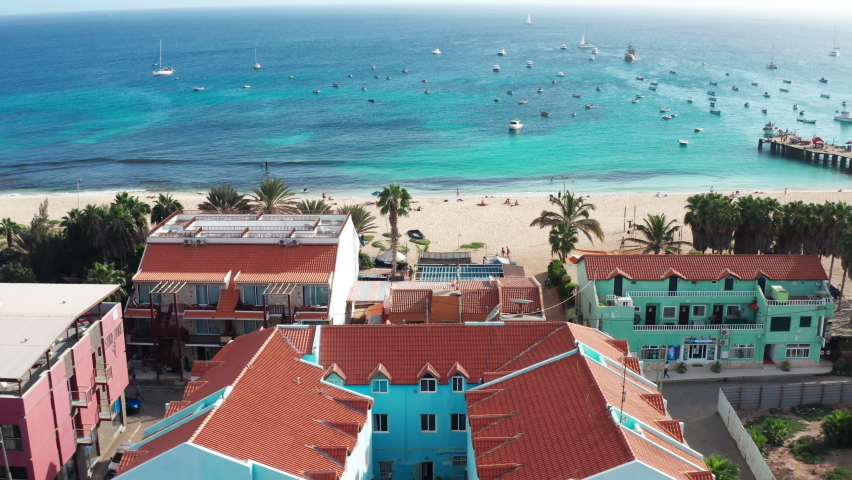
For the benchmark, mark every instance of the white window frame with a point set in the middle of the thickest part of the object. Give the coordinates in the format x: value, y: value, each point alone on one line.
x: 156, y: 298
x: 380, y: 381
x: 457, y: 382
x: 434, y: 422
x: 646, y: 349
x: 377, y: 417
x: 745, y: 348
x: 460, y: 460
x: 208, y: 322
x: 692, y: 311
x: 794, y: 350
x: 672, y: 316
x: 738, y: 307
x: 334, y: 380
x: 207, y: 290
x: 429, y: 381
x: 258, y: 294
x: 309, y: 293
x: 457, y: 419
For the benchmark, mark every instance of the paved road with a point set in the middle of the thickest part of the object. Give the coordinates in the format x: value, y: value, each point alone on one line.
x: 694, y: 403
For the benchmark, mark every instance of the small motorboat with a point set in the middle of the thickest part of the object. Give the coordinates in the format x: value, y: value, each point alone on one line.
x: 246, y: 86
x: 764, y: 111
x: 575, y: 95
x: 415, y: 234
x: 672, y: 72
x: 712, y: 104
x: 795, y: 106
x: 746, y: 104
x: 198, y: 89
x: 497, y: 100
x: 564, y: 47
x: 652, y: 87
x: 350, y: 75
x: 641, y: 95
x: 592, y: 58
x: 529, y: 63
x: 788, y: 81
x: 372, y: 100
x: 515, y: 125
x: 690, y: 100
x: 387, y: 78
x: 540, y: 90
x: 591, y: 105
x: 766, y: 95
x: 703, y: 64
x: 808, y: 121
x: 545, y: 114
x: 404, y: 70
x: 598, y: 89
x: 635, y: 100
x: 501, y: 52
x: 716, y: 112
x: 823, y: 80
x: 654, y: 83
x: 509, y: 92
x: 801, y: 112
x: 682, y: 142
x: 727, y: 74
x: 662, y: 110
x: 437, y: 51
x: 427, y: 92
x: 640, y: 78
x: 769, y: 127
x: 372, y: 67
x: 735, y: 88
x: 843, y: 103
x: 785, y: 90
x: 714, y: 83
x: 711, y: 92
x: 674, y: 115
x: 800, y: 119
x: 553, y: 82
x: 824, y: 95
x: 290, y: 76
x: 424, y: 81
x: 523, y: 102
x: 699, y: 129
x: 712, y: 99
x: 335, y: 85
x: 754, y: 83
x: 573, y: 114
x: 667, y: 117
x: 560, y: 74
x: 316, y: 91
x: 495, y: 68
x: 375, y: 76
x: 363, y: 89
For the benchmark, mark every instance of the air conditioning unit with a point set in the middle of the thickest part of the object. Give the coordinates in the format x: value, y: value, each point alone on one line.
x: 725, y: 332
x: 282, y: 242
x: 725, y: 342
x: 623, y: 301
x: 199, y: 241
x: 294, y: 242
x: 187, y: 242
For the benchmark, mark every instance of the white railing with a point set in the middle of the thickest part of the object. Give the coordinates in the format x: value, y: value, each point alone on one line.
x: 753, y: 326
x: 797, y: 302
x: 725, y: 293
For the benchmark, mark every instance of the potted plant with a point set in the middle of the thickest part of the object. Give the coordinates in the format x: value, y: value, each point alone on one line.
x: 785, y: 366
x: 716, y: 368
x: 681, y: 367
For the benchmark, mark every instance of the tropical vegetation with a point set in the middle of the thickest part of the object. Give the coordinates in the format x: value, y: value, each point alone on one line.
x: 394, y: 201
x: 658, y: 235
x: 365, y: 222
x: 722, y: 468
x: 272, y: 195
x: 164, y: 206
x: 573, y: 212
x: 224, y: 198
x: 562, y: 239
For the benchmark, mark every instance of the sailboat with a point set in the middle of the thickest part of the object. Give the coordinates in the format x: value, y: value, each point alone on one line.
x: 771, y: 65
x: 256, y: 65
x: 161, y: 71
x: 529, y: 20
x: 835, y: 52
x: 583, y: 43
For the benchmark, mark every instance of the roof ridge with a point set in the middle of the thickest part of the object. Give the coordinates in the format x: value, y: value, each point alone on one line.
x: 335, y: 453
x: 380, y: 368
x: 537, y: 342
x: 428, y: 368
x: 335, y: 369
x: 458, y: 369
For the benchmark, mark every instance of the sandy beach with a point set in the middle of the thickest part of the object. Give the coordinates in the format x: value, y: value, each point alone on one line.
x: 448, y: 222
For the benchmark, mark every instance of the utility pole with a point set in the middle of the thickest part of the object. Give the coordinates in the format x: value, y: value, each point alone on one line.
x: 78, y: 180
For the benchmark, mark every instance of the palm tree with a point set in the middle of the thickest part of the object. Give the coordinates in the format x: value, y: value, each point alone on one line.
x: 722, y: 468
x: 364, y: 220
x: 757, y: 224
x: 107, y: 274
x: 139, y: 210
x: 312, y: 206
x: 394, y: 201
x: 713, y: 218
x: 164, y: 206
x: 562, y: 240
x: 10, y: 229
x: 271, y: 195
x: 224, y: 198
x: 792, y: 229
x: 123, y: 233
x: 659, y: 234
x: 573, y: 212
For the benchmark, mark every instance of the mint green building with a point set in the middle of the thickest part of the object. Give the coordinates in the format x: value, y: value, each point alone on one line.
x: 744, y: 311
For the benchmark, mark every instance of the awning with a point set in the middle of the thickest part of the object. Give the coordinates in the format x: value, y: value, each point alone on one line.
x: 168, y: 287
x: 280, y: 289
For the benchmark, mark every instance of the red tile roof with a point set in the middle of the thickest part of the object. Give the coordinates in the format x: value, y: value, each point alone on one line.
x: 200, y: 367
x: 301, y: 339
x: 289, y: 277
x: 405, y: 349
x: 176, y: 406
x: 162, y: 261
x: 520, y: 288
x: 162, y: 443
x: 409, y: 300
x: 202, y: 277
x: 704, y: 267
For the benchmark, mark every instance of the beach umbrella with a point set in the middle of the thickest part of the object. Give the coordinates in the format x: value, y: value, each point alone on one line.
x: 376, y: 193
x: 817, y: 139
x: 848, y: 143
x: 387, y: 257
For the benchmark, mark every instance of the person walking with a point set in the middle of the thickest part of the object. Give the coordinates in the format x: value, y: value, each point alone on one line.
x: 139, y: 393
x: 666, y: 370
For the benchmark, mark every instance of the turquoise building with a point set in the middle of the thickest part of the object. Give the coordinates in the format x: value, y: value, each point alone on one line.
x: 743, y: 311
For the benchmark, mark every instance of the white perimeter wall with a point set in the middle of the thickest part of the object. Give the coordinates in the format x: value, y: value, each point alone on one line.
x: 345, y: 273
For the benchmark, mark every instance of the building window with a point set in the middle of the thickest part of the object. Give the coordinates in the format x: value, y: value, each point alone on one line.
x: 458, y: 384
x: 699, y: 311
x: 385, y: 470
x: 253, y: 294
x: 732, y: 311
x: 315, y: 296
x: 669, y: 312
x: 459, y: 460
x: 798, y: 350
x: 18, y: 473
x: 729, y: 284
x: 427, y: 423
x: 779, y: 324
x: 144, y: 294
x: 653, y: 352
x: 207, y: 294
x: 742, y: 351
x: 334, y: 380
x: 380, y: 386
x: 208, y: 327
x: 428, y: 384
x: 252, y: 325
x: 458, y: 422
x: 12, y: 437
x: 804, y: 322
x: 380, y: 423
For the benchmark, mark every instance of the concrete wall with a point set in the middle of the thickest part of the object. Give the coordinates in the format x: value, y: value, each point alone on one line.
x: 345, y: 272
x: 756, y: 462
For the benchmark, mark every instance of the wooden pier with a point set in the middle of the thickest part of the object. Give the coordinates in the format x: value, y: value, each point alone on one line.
x: 827, y: 155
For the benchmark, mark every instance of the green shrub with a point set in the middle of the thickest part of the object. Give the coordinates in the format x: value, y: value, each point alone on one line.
x: 760, y: 441
x: 422, y: 243
x: 837, y: 428
x: 785, y: 366
x: 839, y: 473
x: 716, y: 368
x: 681, y: 367
x: 807, y: 450
x: 368, y: 238
x: 379, y: 245
x: 776, y: 430
x: 842, y: 367
x: 365, y: 261
x: 473, y: 246
x: 386, y: 235
x: 812, y: 411
x: 722, y: 468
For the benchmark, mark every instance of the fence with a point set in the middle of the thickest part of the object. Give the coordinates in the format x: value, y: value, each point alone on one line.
x: 747, y: 447
x: 779, y: 396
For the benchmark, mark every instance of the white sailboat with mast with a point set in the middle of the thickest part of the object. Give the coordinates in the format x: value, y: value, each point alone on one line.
x: 583, y: 43
x: 256, y: 65
x: 835, y: 51
x: 162, y: 71
x: 529, y: 20
x: 772, y: 65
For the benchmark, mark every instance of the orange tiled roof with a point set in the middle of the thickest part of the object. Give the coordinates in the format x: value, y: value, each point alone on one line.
x: 300, y: 339
x: 200, y: 277
x: 288, y: 277
x: 176, y: 406
x: 705, y: 267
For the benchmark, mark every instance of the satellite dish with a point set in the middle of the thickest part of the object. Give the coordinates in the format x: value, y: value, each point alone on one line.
x: 494, y: 312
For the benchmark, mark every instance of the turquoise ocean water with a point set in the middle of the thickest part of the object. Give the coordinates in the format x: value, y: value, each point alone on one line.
x: 78, y: 100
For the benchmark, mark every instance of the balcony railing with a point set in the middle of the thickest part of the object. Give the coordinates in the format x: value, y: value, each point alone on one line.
x: 725, y: 293
x: 207, y: 340
x: 105, y: 408
x: 85, y: 434
x: 753, y: 326
x: 81, y: 397
x: 822, y: 301
x: 103, y: 374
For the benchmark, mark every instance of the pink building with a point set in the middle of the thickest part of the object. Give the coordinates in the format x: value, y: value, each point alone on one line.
x: 63, y: 372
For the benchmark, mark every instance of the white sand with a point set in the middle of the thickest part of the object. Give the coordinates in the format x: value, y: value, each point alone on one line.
x: 448, y: 224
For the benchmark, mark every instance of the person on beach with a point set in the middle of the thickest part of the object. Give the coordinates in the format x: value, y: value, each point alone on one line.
x: 508, y: 253
x: 516, y: 203
x: 785, y: 192
x: 712, y: 189
x: 457, y: 193
x: 622, y: 241
x: 666, y: 370
x: 502, y: 252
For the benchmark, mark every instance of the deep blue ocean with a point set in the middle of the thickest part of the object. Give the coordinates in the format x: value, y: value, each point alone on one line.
x: 78, y: 99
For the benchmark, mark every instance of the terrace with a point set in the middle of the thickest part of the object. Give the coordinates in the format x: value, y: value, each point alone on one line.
x: 199, y: 227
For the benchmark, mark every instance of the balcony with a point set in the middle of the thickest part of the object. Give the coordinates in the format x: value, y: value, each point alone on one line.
x: 720, y: 294
x: 85, y: 434
x: 680, y: 328
x: 105, y: 409
x: 81, y: 397
x: 801, y: 302
x: 103, y: 374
